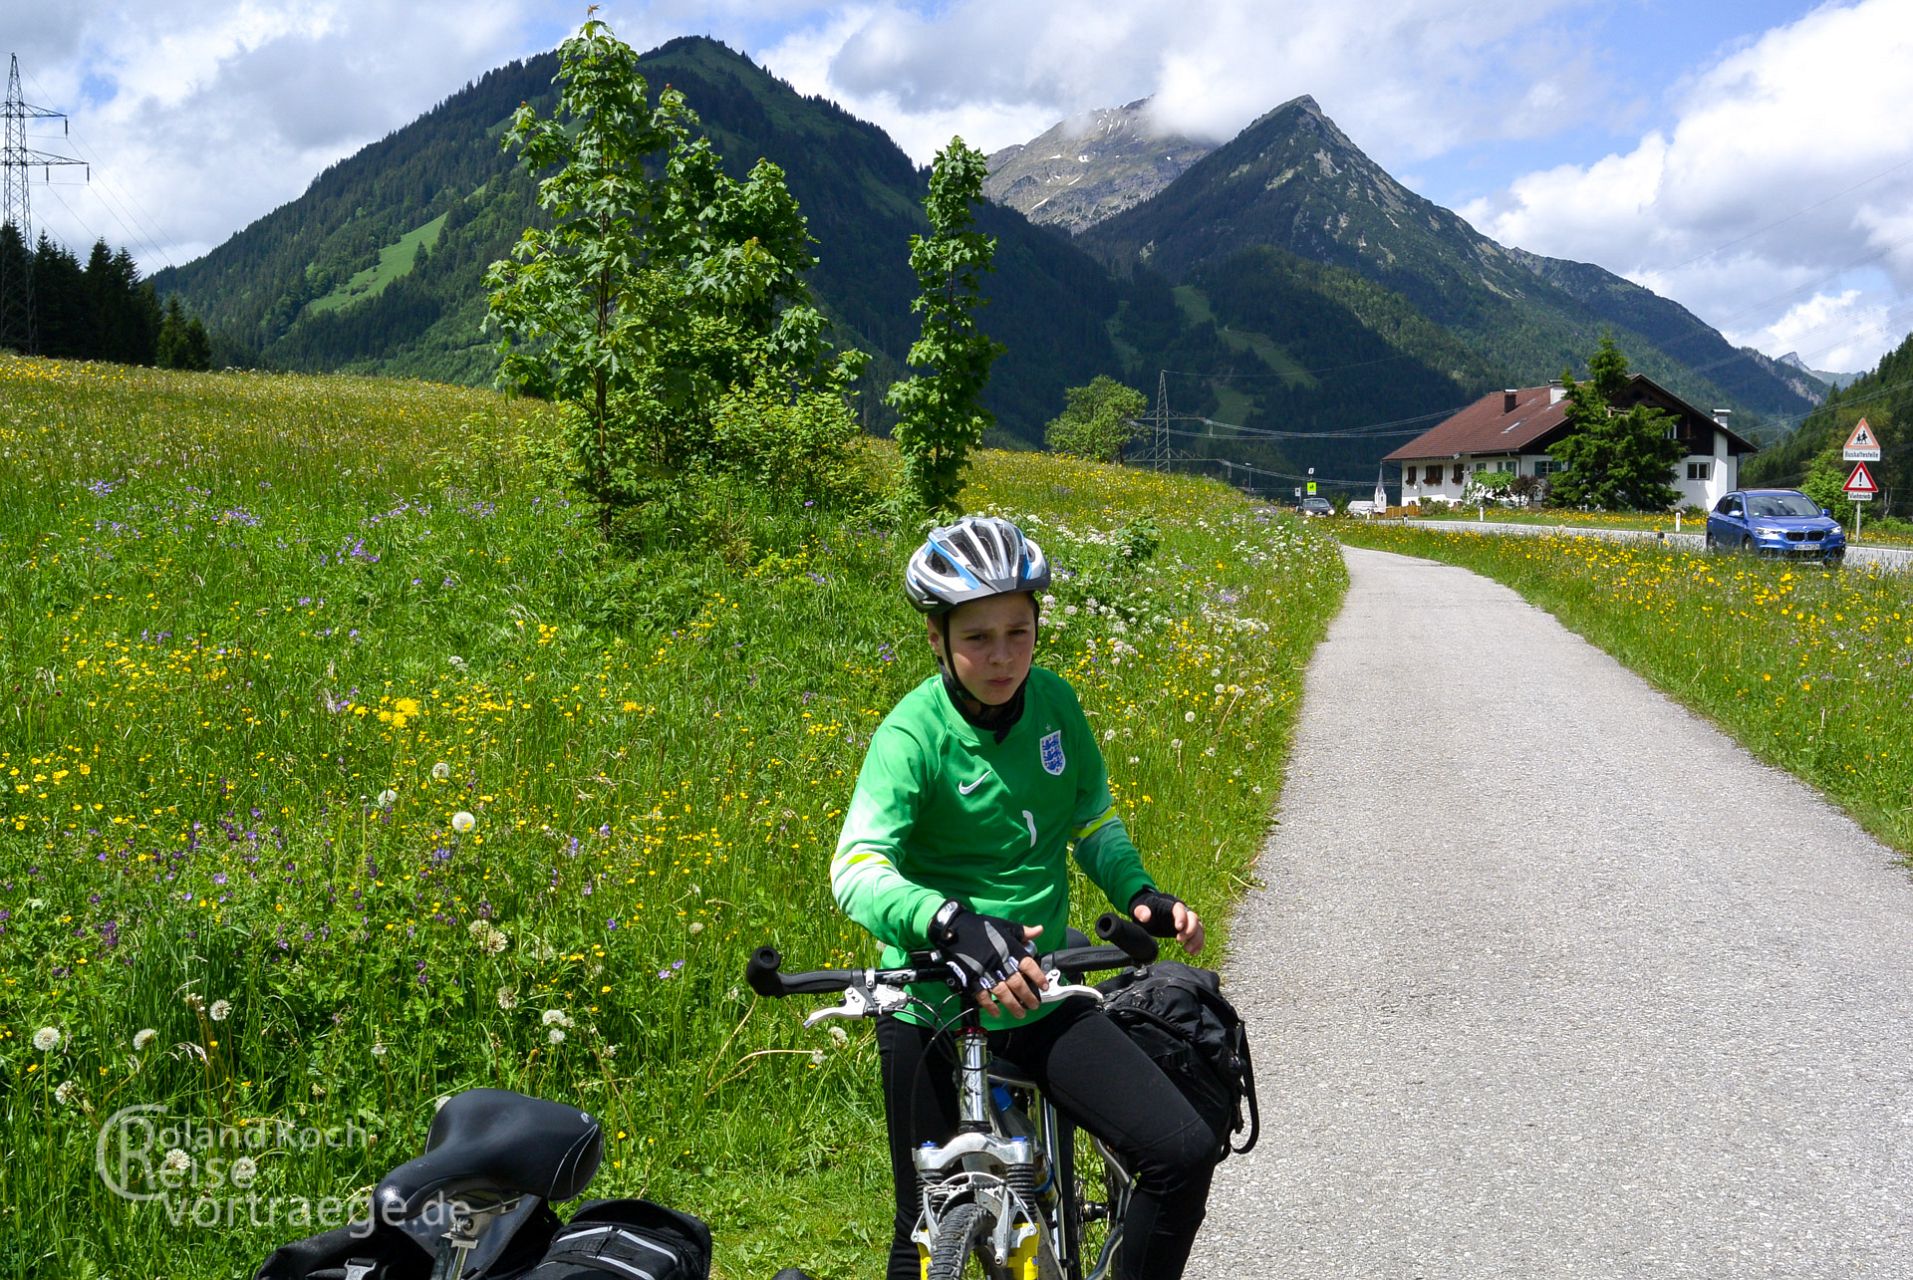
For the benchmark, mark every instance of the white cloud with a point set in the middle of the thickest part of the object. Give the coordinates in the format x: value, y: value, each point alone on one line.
x: 1788, y: 169
x: 199, y: 116
x: 1866, y: 317
x: 1409, y: 78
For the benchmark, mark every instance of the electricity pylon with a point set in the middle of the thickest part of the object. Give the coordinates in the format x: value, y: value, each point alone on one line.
x: 17, y: 329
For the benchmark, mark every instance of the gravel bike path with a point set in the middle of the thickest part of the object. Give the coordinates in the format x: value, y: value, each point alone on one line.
x: 1549, y: 978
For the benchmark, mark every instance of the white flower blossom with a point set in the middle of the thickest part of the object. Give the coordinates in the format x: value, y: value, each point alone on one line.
x: 378, y: 1049
x: 64, y: 1093
x: 697, y: 927
x: 555, y: 1035
x: 555, y: 1018
x: 839, y: 1037
x: 388, y: 798
x: 144, y: 1037
x: 507, y: 999
x: 46, y: 1039
x: 221, y: 1010
x: 177, y: 1161
x: 463, y: 822
x: 441, y: 771
x: 243, y: 1171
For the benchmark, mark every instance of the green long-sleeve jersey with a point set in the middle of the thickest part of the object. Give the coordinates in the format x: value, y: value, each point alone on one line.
x: 943, y: 810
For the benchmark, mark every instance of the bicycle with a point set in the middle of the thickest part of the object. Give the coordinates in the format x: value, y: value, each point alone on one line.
x: 1008, y: 1191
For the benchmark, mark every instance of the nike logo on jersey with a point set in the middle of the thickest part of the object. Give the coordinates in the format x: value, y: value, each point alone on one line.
x: 965, y: 788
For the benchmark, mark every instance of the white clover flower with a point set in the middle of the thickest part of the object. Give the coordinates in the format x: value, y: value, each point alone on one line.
x: 144, y: 1037
x: 463, y: 822
x: 243, y: 1171
x: 1188, y: 717
x: 457, y: 663
x: 494, y: 942
x: 555, y: 1035
x: 507, y: 999
x: 221, y: 1010
x: 177, y: 1161
x: 388, y: 798
x: 46, y: 1039
x: 441, y: 771
x: 1109, y: 735
x: 64, y: 1093
x: 816, y: 1057
x: 378, y: 1049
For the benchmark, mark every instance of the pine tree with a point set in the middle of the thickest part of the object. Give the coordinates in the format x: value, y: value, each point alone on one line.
x: 1616, y: 461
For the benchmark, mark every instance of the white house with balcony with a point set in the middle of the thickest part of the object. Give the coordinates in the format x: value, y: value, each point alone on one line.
x: 1514, y: 430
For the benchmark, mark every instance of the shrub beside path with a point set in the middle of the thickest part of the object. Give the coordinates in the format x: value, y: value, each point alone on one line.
x: 1547, y: 977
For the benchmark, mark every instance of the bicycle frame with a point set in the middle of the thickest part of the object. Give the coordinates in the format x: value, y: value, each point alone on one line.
x: 1014, y: 1170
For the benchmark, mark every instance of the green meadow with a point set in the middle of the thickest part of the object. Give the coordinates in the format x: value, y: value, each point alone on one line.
x: 345, y: 768
x: 1811, y: 669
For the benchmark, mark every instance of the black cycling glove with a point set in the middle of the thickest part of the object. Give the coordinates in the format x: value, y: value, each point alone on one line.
x: 1162, y: 912
x: 987, y: 948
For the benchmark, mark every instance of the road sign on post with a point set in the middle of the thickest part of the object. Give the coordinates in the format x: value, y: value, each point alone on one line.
x: 1860, y: 486
x: 1311, y: 488
x: 1861, y: 446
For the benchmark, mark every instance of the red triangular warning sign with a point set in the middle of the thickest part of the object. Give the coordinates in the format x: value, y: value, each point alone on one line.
x: 1862, y: 437
x: 1861, y: 481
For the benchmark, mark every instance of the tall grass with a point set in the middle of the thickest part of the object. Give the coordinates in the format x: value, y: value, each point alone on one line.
x: 1812, y: 669
x: 344, y: 769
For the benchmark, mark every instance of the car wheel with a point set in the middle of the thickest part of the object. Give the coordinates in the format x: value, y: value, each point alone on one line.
x: 1747, y: 543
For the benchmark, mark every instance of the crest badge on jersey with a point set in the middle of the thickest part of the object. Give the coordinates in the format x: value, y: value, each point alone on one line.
x: 1053, y: 761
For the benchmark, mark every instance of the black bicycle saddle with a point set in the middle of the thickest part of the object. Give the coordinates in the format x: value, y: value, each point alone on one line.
x: 495, y: 1143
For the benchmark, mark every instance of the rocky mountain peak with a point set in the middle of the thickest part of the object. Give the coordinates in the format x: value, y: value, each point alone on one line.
x: 1090, y: 167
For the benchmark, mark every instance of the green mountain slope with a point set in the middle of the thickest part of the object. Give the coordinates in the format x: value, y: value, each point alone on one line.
x: 353, y: 276
x: 1884, y: 398
x: 1294, y: 181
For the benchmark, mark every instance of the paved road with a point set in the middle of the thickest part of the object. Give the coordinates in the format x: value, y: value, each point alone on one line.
x: 1690, y: 540
x: 1550, y: 979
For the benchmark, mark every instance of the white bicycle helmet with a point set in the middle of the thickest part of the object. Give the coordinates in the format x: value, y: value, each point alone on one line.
x: 973, y: 559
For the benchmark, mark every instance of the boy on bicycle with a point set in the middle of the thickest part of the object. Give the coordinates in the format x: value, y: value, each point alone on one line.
x: 975, y: 788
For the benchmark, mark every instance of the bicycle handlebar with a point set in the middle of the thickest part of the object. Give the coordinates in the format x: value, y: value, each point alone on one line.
x: 763, y: 971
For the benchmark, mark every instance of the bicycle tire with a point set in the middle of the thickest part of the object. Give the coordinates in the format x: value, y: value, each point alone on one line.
x: 1094, y: 1208
x: 960, y: 1241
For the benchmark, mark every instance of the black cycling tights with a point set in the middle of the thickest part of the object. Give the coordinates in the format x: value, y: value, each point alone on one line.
x: 1102, y: 1083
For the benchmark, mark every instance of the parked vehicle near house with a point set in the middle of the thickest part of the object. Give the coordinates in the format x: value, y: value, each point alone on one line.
x: 1316, y: 507
x: 1783, y: 523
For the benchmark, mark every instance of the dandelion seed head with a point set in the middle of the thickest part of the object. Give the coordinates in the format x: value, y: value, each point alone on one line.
x: 46, y: 1039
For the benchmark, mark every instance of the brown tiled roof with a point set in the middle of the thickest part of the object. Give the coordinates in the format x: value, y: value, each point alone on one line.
x: 1486, y: 426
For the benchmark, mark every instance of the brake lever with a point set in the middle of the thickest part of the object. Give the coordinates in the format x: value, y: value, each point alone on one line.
x: 859, y: 1003
x: 1058, y: 990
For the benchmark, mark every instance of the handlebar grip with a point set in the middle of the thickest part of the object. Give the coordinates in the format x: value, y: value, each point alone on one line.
x: 760, y: 972
x: 1127, y: 934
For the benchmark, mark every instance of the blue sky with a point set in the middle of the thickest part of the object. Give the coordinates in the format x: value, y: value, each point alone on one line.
x: 1750, y: 160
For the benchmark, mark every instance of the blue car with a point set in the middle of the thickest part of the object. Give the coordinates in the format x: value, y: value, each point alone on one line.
x: 1783, y: 523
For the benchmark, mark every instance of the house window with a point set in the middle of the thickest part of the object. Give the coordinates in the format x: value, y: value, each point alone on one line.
x: 1699, y: 470
x: 1458, y: 473
x: 1547, y: 466
x: 1431, y: 475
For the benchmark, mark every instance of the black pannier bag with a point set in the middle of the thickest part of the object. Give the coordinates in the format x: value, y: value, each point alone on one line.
x: 1177, y: 1014
x: 627, y: 1240
x: 364, y: 1251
